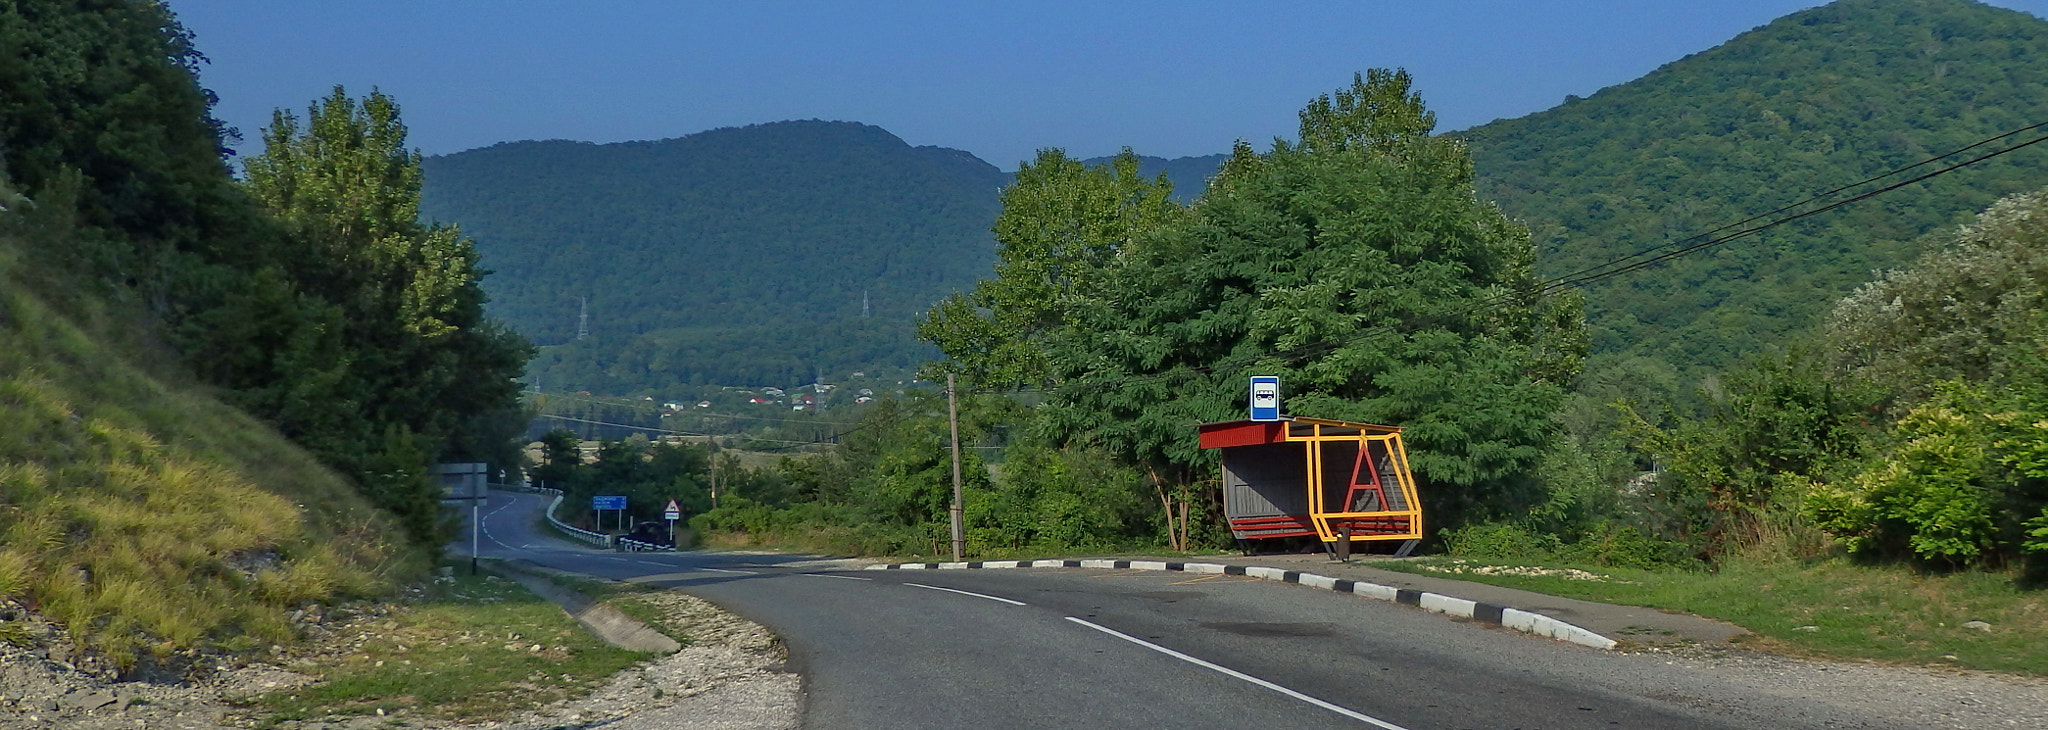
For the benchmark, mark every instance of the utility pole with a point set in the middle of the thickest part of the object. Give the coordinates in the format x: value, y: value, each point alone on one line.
x: 476, y: 526
x: 953, y: 419
x: 714, y: 472
x: 583, y: 320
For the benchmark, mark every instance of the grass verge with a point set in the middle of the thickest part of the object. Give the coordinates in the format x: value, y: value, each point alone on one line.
x: 1829, y: 609
x: 467, y: 648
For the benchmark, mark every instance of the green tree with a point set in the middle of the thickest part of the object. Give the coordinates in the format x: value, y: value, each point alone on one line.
x: 1062, y: 222
x: 560, y: 455
x: 1779, y: 426
x: 388, y: 331
x: 1358, y: 266
x: 100, y: 105
x: 1968, y: 311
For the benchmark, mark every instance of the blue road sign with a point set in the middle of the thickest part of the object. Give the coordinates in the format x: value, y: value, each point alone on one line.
x: 616, y: 502
x: 1265, y: 398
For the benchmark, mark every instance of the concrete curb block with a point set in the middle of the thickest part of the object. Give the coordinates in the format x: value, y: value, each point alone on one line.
x: 1517, y: 619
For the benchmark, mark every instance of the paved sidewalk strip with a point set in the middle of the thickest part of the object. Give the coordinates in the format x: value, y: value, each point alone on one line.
x: 1524, y: 621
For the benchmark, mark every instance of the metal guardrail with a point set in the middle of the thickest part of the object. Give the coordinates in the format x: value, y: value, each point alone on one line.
x: 595, y: 538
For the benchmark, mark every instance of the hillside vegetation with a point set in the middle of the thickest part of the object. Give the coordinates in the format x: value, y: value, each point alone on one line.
x: 139, y: 512
x: 765, y: 255
x: 220, y: 399
x: 1814, y: 100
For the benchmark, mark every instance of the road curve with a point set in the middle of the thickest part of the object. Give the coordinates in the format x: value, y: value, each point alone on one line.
x: 1082, y: 648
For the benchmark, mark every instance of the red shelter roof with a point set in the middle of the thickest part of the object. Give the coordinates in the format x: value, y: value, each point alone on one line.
x: 1226, y: 434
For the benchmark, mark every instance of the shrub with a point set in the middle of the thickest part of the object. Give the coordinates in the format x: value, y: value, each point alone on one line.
x: 1501, y: 541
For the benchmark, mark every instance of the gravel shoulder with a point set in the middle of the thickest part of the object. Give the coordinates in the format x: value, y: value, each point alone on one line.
x: 730, y: 676
x: 1905, y: 696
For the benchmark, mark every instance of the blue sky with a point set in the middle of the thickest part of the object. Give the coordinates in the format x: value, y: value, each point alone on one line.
x: 999, y: 80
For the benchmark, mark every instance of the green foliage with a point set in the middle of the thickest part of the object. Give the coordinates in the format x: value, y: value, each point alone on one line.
x: 145, y: 516
x: 1604, y: 546
x: 559, y: 458
x: 1779, y: 425
x: 647, y: 474
x: 376, y: 310
x: 1957, y: 340
x: 137, y: 510
x: 1813, y: 100
x: 100, y: 115
x: 1357, y: 266
x: 887, y: 488
x: 1062, y: 223
x: 1957, y: 484
x: 1930, y: 491
x: 763, y: 255
x: 2037, y: 533
x: 1050, y: 499
x: 1968, y: 310
x: 1500, y: 541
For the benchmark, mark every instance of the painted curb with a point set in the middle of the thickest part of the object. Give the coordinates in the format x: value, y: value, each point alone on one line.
x: 1520, y: 620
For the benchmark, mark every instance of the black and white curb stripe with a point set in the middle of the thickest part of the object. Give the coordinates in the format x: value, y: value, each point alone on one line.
x: 1525, y: 621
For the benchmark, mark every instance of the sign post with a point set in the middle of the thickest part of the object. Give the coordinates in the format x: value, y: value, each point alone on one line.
x: 672, y: 513
x: 1265, y: 398
x: 602, y: 503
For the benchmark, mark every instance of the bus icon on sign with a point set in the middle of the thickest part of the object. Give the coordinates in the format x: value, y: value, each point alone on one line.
x: 1265, y: 398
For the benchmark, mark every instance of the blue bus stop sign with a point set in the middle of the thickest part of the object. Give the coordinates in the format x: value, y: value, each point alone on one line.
x: 1265, y: 398
x: 618, y: 502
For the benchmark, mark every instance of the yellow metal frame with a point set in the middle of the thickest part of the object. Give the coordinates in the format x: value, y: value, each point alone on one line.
x: 1402, y: 477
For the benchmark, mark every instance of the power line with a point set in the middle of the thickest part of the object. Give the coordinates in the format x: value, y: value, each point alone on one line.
x: 1761, y: 216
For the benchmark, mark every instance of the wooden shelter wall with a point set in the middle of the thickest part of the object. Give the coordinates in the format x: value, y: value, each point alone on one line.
x: 1265, y: 480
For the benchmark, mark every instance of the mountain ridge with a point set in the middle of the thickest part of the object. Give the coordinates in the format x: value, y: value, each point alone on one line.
x: 1802, y: 104
x: 721, y: 239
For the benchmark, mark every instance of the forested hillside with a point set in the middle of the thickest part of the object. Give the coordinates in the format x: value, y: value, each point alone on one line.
x: 762, y: 255
x: 1814, y: 100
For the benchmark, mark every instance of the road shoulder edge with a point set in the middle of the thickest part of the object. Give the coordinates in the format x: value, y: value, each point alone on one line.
x: 1528, y: 622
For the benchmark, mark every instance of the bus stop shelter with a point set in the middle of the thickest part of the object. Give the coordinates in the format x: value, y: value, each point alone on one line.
x: 1311, y: 477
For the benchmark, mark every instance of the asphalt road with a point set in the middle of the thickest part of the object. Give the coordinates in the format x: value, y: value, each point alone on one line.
x: 1078, y: 648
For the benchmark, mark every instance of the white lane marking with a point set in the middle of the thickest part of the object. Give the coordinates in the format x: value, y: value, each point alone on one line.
x: 966, y: 593
x: 735, y: 572
x: 829, y: 575
x: 652, y: 562
x: 485, y: 524
x: 1353, y: 714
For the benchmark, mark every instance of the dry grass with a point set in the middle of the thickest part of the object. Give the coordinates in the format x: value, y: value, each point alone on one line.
x: 146, y: 517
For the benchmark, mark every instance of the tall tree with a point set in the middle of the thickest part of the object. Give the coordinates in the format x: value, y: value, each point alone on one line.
x: 1062, y: 222
x: 416, y: 360
x: 1357, y: 265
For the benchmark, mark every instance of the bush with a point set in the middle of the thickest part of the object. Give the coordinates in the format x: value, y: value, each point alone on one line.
x: 1605, y: 545
x: 1502, y: 541
x: 1955, y: 488
x: 1625, y: 547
